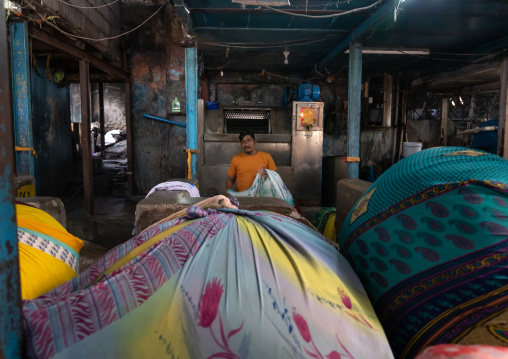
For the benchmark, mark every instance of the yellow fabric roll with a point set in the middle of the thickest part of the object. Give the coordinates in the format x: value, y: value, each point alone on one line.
x: 40, y: 272
x: 39, y: 221
x: 329, y: 231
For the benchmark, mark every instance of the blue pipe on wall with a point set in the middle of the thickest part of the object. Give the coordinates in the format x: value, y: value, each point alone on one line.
x: 164, y: 120
x: 191, y: 92
x: 354, y: 107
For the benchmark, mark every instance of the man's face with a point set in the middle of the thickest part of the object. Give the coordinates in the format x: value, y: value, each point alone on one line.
x: 248, y: 144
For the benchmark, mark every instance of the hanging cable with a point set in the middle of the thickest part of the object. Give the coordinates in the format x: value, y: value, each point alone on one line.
x: 88, y: 7
x: 324, y: 16
x: 45, y: 20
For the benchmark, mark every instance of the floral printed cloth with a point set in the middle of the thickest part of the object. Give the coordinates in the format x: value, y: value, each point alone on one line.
x: 429, y: 241
x: 223, y: 283
x: 450, y: 351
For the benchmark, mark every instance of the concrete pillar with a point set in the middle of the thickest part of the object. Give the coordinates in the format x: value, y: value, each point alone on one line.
x: 502, y: 139
x: 354, y: 107
x: 10, y: 289
x: 22, y: 99
x: 191, y: 92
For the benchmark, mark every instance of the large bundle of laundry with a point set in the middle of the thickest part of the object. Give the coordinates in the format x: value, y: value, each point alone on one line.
x: 48, y: 254
x: 429, y: 242
x: 213, y: 283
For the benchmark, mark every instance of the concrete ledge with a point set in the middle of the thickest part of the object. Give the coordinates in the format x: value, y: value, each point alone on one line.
x: 349, y: 190
x: 51, y: 205
x: 162, y: 204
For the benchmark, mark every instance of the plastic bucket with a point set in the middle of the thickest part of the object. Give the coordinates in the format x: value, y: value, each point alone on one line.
x: 408, y: 148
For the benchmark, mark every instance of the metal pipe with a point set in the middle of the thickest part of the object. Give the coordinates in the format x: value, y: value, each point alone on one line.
x: 164, y: 120
x: 11, y: 320
x: 191, y: 93
x: 477, y: 130
x: 354, y: 107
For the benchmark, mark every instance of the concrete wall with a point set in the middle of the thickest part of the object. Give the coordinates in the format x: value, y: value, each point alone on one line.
x: 157, y: 66
x: 51, y: 134
x: 425, y: 131
x: 114, y: 105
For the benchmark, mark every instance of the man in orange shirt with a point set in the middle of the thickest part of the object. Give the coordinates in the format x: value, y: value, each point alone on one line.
x: 245, y: 166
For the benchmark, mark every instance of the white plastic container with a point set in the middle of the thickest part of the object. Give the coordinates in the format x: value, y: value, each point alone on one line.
x: 408, y: 148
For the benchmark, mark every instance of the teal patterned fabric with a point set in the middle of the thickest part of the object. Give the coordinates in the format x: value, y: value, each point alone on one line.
x: 429, y: 241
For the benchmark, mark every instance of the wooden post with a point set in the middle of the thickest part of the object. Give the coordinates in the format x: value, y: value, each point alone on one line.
x: 101, y: 116
x: 503, y: 111
x: 84, y: 83
x: 444, y: 121
x: 354, y: 108
x: 388, y: 99
x: 396, y: 125
x: 403, y: 122
x: 129, y: 133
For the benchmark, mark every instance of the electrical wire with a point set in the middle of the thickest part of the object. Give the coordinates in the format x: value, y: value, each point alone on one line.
x: 433, y: 58
x: 264, y: 47
x: 288, y: 42
x: 43, y: 19
x: 88, y: 7
x: 324, y: 16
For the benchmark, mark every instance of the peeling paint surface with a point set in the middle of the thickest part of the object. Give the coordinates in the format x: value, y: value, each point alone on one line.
x: 157, y: 147
x: 52, y: 134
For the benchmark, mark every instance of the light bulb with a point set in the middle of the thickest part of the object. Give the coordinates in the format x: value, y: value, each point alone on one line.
x: 460, y: 99
x: 286, y: 54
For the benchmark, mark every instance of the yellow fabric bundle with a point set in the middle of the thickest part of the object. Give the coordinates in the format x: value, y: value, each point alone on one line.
x: 40, y: 271
x: 329, y: 231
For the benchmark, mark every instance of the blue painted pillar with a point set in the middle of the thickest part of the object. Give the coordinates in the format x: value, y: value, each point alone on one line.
x: 22, y: 101
x: 191, y: 91
x: 10, y: 290
x: 354, y: 106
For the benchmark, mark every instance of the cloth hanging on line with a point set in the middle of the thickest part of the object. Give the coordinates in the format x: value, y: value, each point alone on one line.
x: 272, y: 186
x: 176, y: 186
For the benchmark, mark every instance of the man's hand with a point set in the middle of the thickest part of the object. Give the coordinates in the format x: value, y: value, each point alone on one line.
x: 263, y: 172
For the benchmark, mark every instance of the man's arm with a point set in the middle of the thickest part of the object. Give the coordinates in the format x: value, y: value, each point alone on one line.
x: 230, y: 182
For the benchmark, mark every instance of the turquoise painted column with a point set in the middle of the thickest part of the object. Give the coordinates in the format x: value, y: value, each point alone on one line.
x: 191, y: 91
x: 354, y: 106
x: 10, y: 290
x: 22, y: 101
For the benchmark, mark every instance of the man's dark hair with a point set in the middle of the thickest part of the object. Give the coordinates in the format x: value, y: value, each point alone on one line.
x: 247, y: 132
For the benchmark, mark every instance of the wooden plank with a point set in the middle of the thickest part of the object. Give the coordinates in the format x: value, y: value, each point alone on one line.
x: 86, y: 138
x: 77, y: 52
x: 502, y: 139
